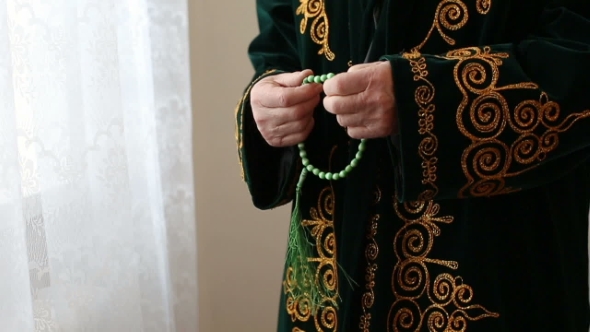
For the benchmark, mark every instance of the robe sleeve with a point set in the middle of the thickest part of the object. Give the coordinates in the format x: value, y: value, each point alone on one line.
x: 482, y: 121
x: 268, y: 172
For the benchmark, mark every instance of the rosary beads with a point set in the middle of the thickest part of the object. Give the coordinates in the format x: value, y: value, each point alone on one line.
x: 300, y: 249
x: 303, y: 153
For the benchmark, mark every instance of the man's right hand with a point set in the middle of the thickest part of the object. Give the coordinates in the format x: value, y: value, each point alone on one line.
x: 283, y: 108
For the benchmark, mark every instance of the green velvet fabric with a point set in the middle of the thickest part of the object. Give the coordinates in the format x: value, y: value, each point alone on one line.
x: 475, y: 216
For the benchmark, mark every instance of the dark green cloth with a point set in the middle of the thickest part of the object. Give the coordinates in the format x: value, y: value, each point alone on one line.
x: 473, y: 218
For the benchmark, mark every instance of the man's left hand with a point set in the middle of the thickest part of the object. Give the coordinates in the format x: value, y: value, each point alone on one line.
x: 363, y: 100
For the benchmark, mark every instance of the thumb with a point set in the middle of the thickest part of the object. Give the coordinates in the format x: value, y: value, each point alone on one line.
x: 293, y: 79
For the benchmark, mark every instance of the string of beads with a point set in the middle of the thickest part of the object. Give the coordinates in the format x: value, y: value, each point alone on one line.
x: 303, y: 153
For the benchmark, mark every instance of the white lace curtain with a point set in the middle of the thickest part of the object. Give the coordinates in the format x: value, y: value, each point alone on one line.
x: 97, y: 229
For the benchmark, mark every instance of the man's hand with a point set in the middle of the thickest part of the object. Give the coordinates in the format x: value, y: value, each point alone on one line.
x: 283, y: 108
x: 363, y: 100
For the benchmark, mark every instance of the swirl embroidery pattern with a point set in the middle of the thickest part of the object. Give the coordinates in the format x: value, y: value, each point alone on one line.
x: 319, y: 30
x: 321, y: 226
x: 423, y: 301
x: 424, y: 96
x: 450, y: 307
x: 371, y: 253
x: 452, y: 15
x: 484, y: 115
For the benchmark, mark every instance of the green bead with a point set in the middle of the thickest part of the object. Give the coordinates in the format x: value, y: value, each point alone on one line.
x: 303, y: 153
x: 362, y: 146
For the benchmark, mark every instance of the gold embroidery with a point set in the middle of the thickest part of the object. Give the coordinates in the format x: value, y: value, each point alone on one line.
x: 371, y: 253
x: 239, y: 115
x: 483, y: 6
x: 321, y: 227
x: 424, y: 96
x: 450, y: 307
x: 319, y: 30
x: 452, y: 15
x: 484, y: 114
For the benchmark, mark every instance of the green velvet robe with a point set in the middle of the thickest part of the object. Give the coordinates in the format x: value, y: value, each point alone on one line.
x: 473, y: 218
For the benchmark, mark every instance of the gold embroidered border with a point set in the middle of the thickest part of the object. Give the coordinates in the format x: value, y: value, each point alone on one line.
x: 319, y: 31
x: 484, y: 115
x: 450, y: 305
x: 371, y: 254
x: 424, y: 97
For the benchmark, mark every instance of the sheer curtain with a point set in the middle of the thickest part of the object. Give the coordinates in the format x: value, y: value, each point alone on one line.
x: 97, y: 229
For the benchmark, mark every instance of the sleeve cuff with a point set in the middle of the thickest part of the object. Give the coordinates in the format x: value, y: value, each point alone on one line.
x: 409, y: 147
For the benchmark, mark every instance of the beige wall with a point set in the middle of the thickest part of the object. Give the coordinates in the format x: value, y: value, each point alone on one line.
x: 241, y: 250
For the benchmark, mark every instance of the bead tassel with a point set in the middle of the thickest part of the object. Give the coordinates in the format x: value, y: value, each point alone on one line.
x: 300, y: 248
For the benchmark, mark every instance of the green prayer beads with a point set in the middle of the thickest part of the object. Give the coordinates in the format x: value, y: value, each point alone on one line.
x: 303, y: 153
x: 300, y: 248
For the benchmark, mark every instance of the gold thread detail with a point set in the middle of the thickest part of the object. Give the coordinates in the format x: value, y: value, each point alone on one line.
x: 424, y: 97
x: 450, y: 307
x: 452, y: 15
x: 321, y: 228
x: 319, y: 31
x: 371, y: 254
x: 484, y: 115
x: 483, y: 6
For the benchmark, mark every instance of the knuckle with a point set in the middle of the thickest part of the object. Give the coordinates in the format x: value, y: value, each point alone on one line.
x: 331, y: 105
x: 337, y: 84
x: 283, y: 99
x: 275, y: 142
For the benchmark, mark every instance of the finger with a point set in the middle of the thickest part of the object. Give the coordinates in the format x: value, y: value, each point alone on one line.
x: 347, y: 83
x: 279, y: 122
x: 358, y: 133
x: 297, y: 112
x: 351, y: 120
x: 292, y: 79
x: 295, y: 137
x: 284, y: 97
x: 345, y: 104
